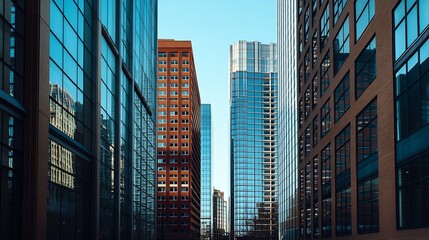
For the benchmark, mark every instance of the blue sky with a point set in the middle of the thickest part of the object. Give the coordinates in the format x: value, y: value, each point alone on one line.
x: 213, y: 26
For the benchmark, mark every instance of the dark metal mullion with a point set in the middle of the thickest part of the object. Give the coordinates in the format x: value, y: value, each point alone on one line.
x: 117, y: 140
x: 130, y: 122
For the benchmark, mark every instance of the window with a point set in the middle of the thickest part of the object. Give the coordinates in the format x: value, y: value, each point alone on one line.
x: 173, y: 54
x: 174, y: 85
x: 366, y: 132
x: 174, y: 93
x: 307, y: 103
x: 338, y: 9
x: 162, y: 77
x: 324, y: 74
x: 185, y: 93
x: 342, y: 97
x: 315, y: 89
x: 162, y: 69
x: 306, y: 24
x: 367, y: 205
x: 173, y: 113
x: 301, y: 148
x: 185, y: 69
x: 315, y: 130
x: 161, y: 144
x: 185, y: 62
x: 174, y: 70
x: 365, y: 66
x: 162, y: 93
x: 174, y: 77
x: 185, y: 120
x: 326, y: 168
x: 162, y: 113
x: 307, y: 66
x: 173, y: 168
x: 307, y: 140
x: 301, y: 112
x: 185, y: 54
x: 412, y: 94
x: 162, y: 129
x: 162, y: 54
x: 341, y: 46
x: 343, y: 212
x: 325, y: 119
x: 365, y: 11
x: 410, y: 20
x: 342, y: 151
x: 412, y: 194
x: 185, y: 77
x: 162, y: 62
x: 162, y: 85
x: 326, y: 218
x: 324, y: 28
x: 162, y: 121
x: 174, y: 62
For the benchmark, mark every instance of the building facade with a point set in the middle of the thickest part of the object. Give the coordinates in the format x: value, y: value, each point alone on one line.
x: 287, y: 119
x: 362, y: 116
x: 253, y: 139
x: 179, y: 141
x: 206, y: 171
x: 219, y: 215
x: 86, y: 126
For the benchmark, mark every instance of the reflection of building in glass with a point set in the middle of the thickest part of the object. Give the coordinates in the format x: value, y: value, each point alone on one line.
x: 219, y: 215
x: 86, y: 127
x: 206, y: 171
x: 253, y: 102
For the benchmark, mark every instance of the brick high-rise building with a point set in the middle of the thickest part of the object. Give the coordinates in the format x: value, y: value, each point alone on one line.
x: 178, y: 142
x: 362, y: 105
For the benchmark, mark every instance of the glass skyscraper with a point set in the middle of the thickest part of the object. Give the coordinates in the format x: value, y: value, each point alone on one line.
x: 206, y: 171
x: 86, y: 126
x: 253, y: 139
x: 287, y: 128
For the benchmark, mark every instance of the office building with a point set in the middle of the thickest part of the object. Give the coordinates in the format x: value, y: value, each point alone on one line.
x: 219, y: 215
x: 77, y: 106
x: 253, y: 139
x: 287, y: 118
x: 206, y: 171
x: 179, y: 153
x: 362, y: 104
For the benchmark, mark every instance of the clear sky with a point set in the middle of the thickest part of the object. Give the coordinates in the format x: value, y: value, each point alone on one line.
x: 212, y: 26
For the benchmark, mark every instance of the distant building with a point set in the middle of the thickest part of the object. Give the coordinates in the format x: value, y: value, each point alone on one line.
x: 253, y: 102
x: 206, y: 171
x: 219, y: 215
x: 179, y: 143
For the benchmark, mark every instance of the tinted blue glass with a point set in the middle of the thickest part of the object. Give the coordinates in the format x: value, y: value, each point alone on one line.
x: 56, y: 21
x: 412, y: 25
x: 399, y: 12
x: 56, y: 50
x: 424, y: 17
x: 400, y: 36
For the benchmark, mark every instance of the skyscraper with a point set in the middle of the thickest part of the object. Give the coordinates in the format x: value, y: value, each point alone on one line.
x: 206, y: 171
x: 362, y: 95
x: 287, y: 128
x: 253, y: 99
x: 74, y: 165
x: 179, y: 153
x: 219, y: 215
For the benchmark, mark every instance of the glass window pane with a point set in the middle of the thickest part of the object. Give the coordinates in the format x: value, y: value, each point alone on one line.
x: 423, y: 13
x: 400, y: 40
x: 412, y: 30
